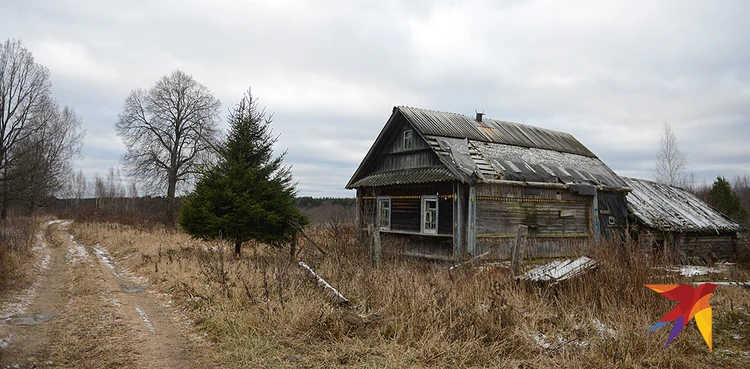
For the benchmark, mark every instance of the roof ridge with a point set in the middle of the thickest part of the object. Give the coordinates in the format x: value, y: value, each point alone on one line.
x: 484, y: 119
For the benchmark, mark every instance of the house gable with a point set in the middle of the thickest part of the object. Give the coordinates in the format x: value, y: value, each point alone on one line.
x: 389, y: 162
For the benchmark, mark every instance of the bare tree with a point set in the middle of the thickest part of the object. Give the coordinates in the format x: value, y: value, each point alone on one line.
x: 41, y: 164
x: 169, y: 130
x: 80, y: 186
x: 670, y: 159
x: 24, y: 96
x: 100, y: 191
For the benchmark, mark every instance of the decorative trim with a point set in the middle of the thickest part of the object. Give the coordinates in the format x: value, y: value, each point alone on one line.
x: 527, y: 199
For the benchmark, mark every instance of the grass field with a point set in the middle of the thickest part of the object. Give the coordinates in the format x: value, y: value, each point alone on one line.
x: 262, y: 310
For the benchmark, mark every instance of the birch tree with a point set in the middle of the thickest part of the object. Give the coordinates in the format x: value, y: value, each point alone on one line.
x: 169, y: 131
x: 671, y: 161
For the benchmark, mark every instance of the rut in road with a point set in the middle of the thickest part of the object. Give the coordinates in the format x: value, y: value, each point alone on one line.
x: 97, y: 315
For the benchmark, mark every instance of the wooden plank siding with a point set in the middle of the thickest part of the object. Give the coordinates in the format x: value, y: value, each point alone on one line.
x: 393, y: 157
x: 705, y: 247
x: 547, y: 212
x: 407, y: 160
x: 406, y: 214
x: 536, y: 247
x: 559, y: 220
x: 500, y: 217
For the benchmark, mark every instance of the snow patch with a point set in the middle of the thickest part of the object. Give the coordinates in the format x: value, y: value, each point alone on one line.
x: 549, y: 343
x: 145, y: 318
x: 106, y: 259
x: 4, y: 341
x: 691, y: 270
x: 76, y: 253
x: 45, y: 262
x: 603, y: 330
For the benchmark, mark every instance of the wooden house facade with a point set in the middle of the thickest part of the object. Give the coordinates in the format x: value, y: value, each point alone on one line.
x: 675, y: 221
x: 454, y: 187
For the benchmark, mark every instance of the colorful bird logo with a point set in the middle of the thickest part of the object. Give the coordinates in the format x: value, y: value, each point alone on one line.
x: 693, y: 302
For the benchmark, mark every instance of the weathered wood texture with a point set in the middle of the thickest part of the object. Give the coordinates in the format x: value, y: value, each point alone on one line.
x: 519, y: 247
x: 419, y: 245
x: 537, y: 247
x: 613, y: 215
x: 501, y: 218
x: 705, y: 247
x: 495, y: 190
x: 405, y: 214
x: 392, y: 156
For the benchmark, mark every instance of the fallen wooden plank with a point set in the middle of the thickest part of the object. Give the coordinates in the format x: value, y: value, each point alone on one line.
x: 336, y: 297
x: 560, y: 270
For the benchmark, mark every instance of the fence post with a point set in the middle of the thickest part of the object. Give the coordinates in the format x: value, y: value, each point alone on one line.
x: 375, y: 246
x: 518, y: 250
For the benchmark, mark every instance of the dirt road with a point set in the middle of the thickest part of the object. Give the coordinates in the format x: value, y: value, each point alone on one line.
x: 83, y: 311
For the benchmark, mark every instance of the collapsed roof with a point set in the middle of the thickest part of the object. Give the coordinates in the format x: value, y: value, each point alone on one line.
x: 669, y: 208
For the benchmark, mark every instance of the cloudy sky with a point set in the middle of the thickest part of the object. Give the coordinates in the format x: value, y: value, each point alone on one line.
x: 608, y: 72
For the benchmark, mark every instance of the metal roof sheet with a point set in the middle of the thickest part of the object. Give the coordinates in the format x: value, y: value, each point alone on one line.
x: 436, y: 123
x: 406, y: 176
x: 673, y: 209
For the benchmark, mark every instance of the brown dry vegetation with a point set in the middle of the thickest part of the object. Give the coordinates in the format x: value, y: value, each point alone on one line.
x: 16, y: 236
x: 261, y: 310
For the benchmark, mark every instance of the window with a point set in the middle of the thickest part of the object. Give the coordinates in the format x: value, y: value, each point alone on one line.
x: 429, y: 214
x: 408, y: 142
x: 384, y: 213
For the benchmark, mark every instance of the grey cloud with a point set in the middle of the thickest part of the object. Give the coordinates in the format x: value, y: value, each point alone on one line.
x: 608, y: 72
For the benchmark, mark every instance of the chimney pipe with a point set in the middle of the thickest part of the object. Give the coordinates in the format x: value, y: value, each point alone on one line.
x: 479, y: 115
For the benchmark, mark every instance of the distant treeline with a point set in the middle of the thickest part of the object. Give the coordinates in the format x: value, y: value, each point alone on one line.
x: 309, y: 202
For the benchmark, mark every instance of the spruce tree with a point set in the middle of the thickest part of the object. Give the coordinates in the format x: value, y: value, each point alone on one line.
x: 248, y: 194
x: 723, y: 198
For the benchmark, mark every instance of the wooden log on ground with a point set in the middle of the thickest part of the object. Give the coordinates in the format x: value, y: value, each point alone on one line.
x: 336, y: 297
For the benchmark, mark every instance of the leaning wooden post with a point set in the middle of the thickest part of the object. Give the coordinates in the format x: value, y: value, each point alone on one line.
x: 293, y: 247
x: 375, y: 248
x: 516, y: 260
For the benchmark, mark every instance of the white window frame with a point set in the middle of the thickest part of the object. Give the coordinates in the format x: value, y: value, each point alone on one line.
x: 426, y: 224
x: 381, y: 201
x: 404, y: 145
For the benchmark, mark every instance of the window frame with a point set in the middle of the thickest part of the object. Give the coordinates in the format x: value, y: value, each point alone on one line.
x: 382, y: 200
x: 423, y: 214
x: 404, y: 146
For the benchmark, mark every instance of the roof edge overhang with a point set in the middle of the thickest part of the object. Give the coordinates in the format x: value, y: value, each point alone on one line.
x: 368, y: 157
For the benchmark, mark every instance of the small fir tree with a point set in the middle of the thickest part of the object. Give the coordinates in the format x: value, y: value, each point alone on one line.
x: 247, y: 194
x: 724, y: 199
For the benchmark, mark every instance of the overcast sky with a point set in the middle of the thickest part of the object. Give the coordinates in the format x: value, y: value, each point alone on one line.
x: 608, y: 72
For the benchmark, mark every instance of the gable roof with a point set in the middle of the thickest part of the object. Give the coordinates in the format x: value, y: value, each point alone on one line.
x: 494, y: 150
x: 670, y: 208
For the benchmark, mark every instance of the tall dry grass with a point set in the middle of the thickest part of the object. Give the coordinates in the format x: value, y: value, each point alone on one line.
x: 261, y: 310
x: 16, y: 237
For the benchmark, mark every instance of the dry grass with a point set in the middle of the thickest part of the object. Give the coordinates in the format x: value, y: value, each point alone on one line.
x: 16, y: 236
x: 261, y: 310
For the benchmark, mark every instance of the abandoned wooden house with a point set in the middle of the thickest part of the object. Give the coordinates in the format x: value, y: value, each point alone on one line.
x: 452, y: 187
x: 679, y: 223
